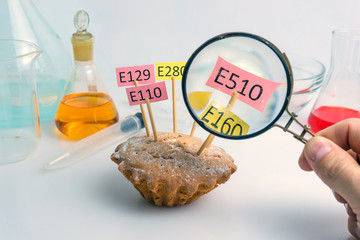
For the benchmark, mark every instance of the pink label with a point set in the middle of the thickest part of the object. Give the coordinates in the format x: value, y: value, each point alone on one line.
x: 252, y: 89
x: 144, y: 74
x: 154, y: 92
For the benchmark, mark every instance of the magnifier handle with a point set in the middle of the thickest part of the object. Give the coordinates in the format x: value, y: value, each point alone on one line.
x: 301, y: 136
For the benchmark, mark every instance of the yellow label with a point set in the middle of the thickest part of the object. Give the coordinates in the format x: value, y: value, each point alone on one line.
x: 167, y: 70
x: 222, y: 120
x: 198, y: 100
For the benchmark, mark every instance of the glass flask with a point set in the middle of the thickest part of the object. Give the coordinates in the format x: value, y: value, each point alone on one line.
x: 339, y: 97
x: 19, y: 113
x: 20, y: 19
x: 85, y: 107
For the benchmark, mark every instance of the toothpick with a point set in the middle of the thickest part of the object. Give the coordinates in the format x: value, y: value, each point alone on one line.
x: 211, y: 137
x: 207, y: 142
x: 232, y: 101
x: 152, y: 119
x: 193, y: 129
x: 174, y: 103
x: 146, y: 124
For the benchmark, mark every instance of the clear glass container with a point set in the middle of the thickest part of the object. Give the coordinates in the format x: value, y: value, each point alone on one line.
x: 20, y: 19
x: 339, y: 97
x: 19, y: 113
x: 85, y: 107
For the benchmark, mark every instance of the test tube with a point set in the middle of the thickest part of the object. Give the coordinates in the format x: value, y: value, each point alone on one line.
x: 117, y: 132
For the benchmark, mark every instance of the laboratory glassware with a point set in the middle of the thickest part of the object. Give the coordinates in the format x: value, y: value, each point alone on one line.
x: 22, y: 20
x: 19, y: 114
x: 85, y: 107
x: 339, y: 97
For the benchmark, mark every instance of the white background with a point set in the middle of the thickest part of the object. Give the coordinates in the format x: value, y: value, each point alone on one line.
x: 135, y: 32
x: 269, y: 197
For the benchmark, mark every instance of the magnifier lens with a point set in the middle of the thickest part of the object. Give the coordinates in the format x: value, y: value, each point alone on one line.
x: 245, y: 64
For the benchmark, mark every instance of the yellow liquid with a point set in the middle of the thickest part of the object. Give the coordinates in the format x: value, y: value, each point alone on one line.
x: 82, y: 114
x: 198, y: 100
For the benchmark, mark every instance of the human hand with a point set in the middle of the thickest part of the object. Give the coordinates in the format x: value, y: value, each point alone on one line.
x: 334, y: 155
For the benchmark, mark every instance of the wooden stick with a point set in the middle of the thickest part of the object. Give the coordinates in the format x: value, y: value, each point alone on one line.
x: 193, y: 129
x: 211, y: 137
x: 152, y: 120
x: 146, y: 124
x: 174, y: 103
x: 207, y: 142
x: 232, y: 101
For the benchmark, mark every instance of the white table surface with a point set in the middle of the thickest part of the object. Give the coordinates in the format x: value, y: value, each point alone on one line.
x: 269, y: 197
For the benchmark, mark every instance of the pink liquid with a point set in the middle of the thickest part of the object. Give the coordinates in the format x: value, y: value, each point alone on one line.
x: 326, y: 116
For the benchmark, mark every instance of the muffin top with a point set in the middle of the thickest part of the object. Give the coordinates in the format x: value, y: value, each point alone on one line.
x: 173, y: 159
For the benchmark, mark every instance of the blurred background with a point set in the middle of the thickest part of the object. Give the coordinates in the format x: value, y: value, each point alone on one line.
x: 137, y: 32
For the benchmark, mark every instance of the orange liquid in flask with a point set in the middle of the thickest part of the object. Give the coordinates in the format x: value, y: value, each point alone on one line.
x: 82, y: 114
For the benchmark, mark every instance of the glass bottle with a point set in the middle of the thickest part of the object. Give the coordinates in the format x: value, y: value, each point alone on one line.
x: 339, y: 97
x: 20, y: 19
x: 85, y: 107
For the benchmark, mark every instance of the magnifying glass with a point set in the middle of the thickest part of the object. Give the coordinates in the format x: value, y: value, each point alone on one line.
x: 244, y: 67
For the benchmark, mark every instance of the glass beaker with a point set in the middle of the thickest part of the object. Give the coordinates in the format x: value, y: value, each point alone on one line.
x: 23, y: 21
x: 339, y: 97
x: 19, y: 112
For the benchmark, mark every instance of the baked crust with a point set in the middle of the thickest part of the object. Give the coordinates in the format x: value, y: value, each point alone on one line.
x: 169, y: 172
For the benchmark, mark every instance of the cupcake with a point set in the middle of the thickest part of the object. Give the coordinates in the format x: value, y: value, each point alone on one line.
x: 169, y: 172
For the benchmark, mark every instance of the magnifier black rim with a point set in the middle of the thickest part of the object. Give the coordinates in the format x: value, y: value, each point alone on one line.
x: 228, y: 35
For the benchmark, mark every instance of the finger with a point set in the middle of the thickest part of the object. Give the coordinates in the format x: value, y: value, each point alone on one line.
x: 345, y: 134
x: 349, y: 211
x: 335, y: 167
x: 352, y: 227
x: 303, y: 163
x: 339, y: 198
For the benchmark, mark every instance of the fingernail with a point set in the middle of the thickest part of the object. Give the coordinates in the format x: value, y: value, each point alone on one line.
x: 318, y: 150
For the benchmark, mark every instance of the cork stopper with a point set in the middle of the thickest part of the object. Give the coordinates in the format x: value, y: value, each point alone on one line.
x: 82, y: 41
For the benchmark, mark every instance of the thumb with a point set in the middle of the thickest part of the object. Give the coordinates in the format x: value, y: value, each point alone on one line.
x: 335, y: 167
